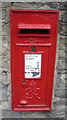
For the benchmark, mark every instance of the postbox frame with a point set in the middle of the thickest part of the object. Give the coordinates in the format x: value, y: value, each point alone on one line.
x: 51, y: 63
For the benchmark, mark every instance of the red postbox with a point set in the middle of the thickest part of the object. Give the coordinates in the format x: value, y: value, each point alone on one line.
x: 33, y: 50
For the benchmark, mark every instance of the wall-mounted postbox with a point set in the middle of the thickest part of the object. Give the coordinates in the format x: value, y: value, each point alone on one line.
x: 33, y: 49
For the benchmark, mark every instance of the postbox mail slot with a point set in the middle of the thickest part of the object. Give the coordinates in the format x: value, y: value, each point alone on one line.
x: 34, y: 30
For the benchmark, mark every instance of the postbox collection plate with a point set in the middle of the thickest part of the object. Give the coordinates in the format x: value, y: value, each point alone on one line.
x: 33, y: 51
x: 32, y: 66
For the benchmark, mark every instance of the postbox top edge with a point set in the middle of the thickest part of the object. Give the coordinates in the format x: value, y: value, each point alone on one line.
x: 34, y: 10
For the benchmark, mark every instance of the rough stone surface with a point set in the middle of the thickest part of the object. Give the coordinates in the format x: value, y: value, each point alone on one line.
x: 58, y: 107
x: 0, y: 60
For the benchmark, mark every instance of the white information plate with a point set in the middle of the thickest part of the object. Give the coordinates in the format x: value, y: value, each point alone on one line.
x: 32, y: 65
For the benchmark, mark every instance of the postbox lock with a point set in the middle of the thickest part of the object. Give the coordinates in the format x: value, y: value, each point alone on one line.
x: 33, y: 48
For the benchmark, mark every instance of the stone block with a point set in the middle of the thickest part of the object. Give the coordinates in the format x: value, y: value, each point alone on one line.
x: 4, y: 93
x: 5, y: 64
x: 6, y: 4
x: 53, y: 5
x: 1, y: 52
x: 62, y: 93
x: 9, y: 90
x: 11, y: 114
x: 8, y: 56
x: 63, y: 6
x: 37, y: 114
x: 5, y: 80
x: 59, y: 101
x: 63, y: 37
x: 62, y: 52
x: 0, y: 93
x: 61, y: 64
x: 63, y: 42
x: 60, y: 111
x: 60, y: 84
x: 65, y: 76
x: 0, y: 27
x: 64, y: 17
x: 26, y: 5
x: 62, y: 77
x: 0, y: 70
x: 45, y: 7
x: 61, y: 13
x: 63, y: 27
x: 66, y: 83
x: 0, y: 80
x: 6, y: 105
x: 0, y: 114
x: 4, y: 14
x: 4, y: 72
x: 6, y: 30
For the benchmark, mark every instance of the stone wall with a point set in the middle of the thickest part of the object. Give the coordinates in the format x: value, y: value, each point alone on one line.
x: 58, y: 109
x: 0, y: 59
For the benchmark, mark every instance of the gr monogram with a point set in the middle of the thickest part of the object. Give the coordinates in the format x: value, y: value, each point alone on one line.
x: 32, y: 92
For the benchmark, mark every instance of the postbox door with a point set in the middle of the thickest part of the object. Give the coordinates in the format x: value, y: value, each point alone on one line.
x: 33, y: 50
x: 32, y: 68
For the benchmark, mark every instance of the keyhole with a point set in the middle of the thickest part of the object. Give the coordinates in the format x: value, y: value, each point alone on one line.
x: 33, y: 48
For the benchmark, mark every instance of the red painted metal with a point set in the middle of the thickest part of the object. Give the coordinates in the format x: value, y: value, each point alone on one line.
x: 34, y: 26
x: 29, y: 28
